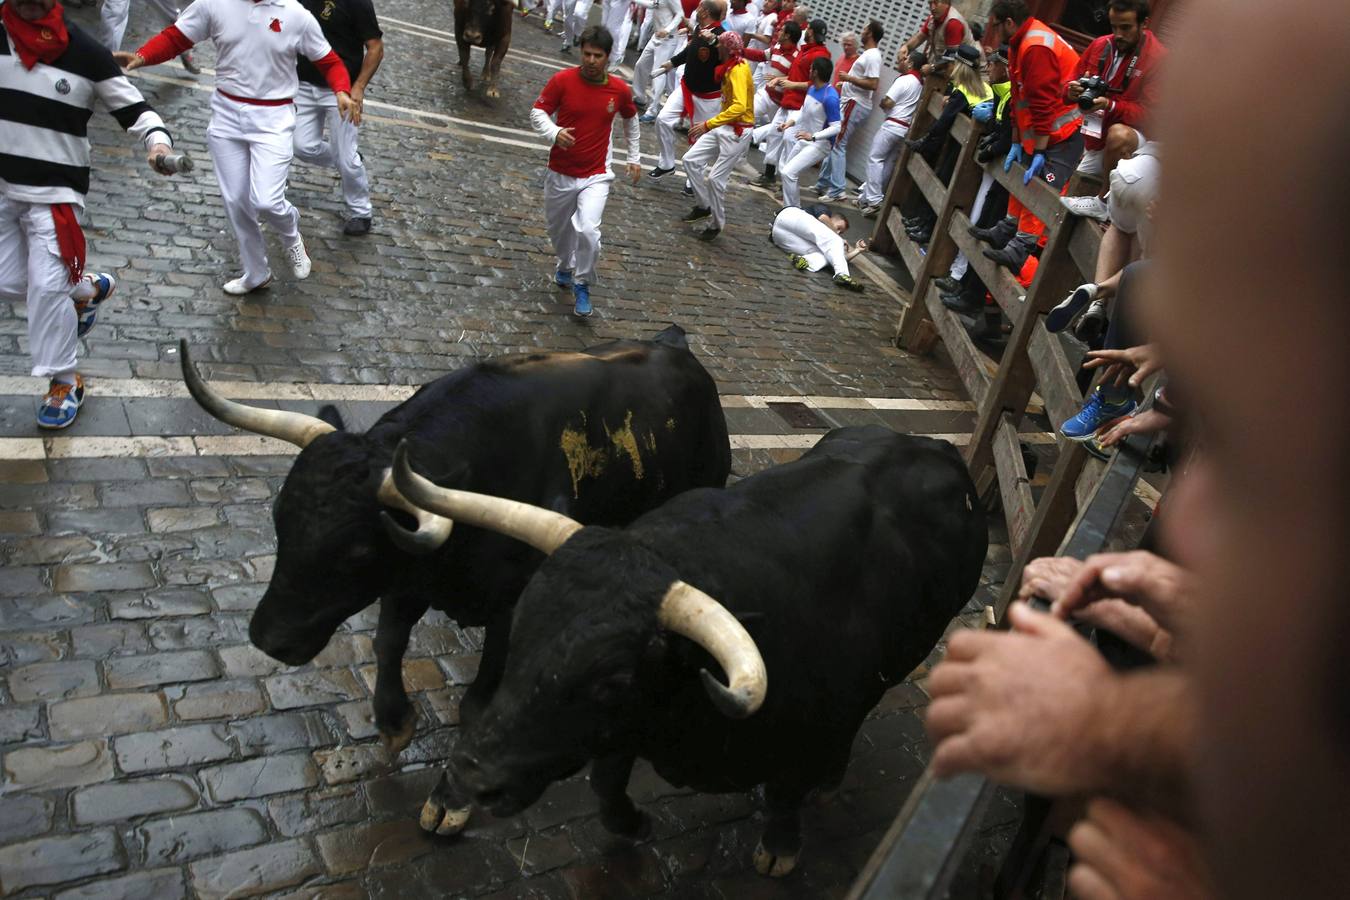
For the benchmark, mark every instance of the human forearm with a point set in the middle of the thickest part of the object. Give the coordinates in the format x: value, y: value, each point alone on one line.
x: 369, y: 65
x: 633, y: 135
x: 543, y: 125
x: 1144, y: 733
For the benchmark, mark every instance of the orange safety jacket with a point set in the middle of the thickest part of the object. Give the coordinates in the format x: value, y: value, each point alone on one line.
x: 1041, y: 62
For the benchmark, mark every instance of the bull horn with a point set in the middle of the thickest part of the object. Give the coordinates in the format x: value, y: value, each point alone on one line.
x: 293, y: 427
x: 432, y: 530
x: 688, y: 611
x: 542, y: 529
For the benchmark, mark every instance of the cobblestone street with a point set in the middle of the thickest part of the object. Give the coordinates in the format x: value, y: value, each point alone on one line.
x: 148, y: 750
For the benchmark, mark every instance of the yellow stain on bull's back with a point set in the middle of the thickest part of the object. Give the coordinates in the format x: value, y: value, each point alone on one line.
x: 583, y: 460
x: 625, y: 441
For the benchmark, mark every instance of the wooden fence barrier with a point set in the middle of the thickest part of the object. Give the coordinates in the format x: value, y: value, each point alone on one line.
x: 1034, y: 361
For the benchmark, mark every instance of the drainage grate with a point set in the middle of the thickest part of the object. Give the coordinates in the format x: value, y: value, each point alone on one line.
x: 798, y: 415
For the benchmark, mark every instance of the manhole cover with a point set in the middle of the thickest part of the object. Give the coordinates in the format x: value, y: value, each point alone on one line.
x: 798, y: 415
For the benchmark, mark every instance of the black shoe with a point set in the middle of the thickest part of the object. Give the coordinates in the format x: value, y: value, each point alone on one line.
x: 965, y: 304
x: 709, y: 233
x: 687, y: 190
x: 659, y: 172
x: 912, y: 221
x: 988, y: 329
x: 698, y: 212
x: 1092, y: 324
x: 357, y: 226
x: 765, y: 181
x: 999, y: 235
x: 920, y: 237
x: 1011, y: 256
x: 947, y: 284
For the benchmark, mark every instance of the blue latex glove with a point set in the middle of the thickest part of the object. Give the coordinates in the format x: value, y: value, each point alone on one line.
x: 1015, y: 154
x: 1037, y: 164
x: 983, y: 112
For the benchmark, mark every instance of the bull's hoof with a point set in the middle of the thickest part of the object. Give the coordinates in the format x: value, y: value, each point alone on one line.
x: 773, y: 864
x: 396, y: 741
x: 492, y: 93
x: 437, y: 819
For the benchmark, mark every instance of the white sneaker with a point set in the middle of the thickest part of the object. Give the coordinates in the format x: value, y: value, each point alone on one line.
x: 299, y: 259
x: 1088, y: 207
x: 238, y: 287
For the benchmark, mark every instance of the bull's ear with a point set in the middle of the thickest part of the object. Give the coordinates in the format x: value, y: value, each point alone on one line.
x: 329, y: 413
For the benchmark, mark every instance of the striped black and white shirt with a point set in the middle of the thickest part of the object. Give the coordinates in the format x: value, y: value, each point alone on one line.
x: 44, y: 118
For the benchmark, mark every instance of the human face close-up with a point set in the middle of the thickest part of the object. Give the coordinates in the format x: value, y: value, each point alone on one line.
x: 32, y: 10
x: 850, y: 47
x: 593, y: 62
x: 1125, y: 29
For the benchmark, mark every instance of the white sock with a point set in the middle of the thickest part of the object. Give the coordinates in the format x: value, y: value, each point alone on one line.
x: 65, y: 378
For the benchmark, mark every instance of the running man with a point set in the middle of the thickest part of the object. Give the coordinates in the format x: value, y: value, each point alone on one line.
x: 725, y: 137
x: 814, y: 239
x: 575, y: 112
x: 253, y: 114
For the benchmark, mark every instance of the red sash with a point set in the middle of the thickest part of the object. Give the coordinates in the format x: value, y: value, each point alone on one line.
x: 69, y: 239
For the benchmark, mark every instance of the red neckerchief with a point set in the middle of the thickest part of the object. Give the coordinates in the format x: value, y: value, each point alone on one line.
x: 723, y: 68
x: 41, y: 41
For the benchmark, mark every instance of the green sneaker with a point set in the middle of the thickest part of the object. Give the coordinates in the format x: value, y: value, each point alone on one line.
x: 847, y: 281
x: 799, y: 262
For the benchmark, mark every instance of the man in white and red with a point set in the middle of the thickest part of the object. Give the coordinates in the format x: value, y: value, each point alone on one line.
x: 253, y: 113
x: 856, y: 76
x: 778, y: 61
x: 575, y: 112
x: 945, y: 28
x: 1129, y: 60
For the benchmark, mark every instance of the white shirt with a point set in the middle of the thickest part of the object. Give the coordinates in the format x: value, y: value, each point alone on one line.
x: 905, y: 91
x: 867, y: 65
x: 765, y: 25
x: 741, y: 23
x: 667, y: 13
x: 256, y: 43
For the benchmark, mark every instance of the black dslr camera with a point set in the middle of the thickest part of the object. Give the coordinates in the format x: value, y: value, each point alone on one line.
x: 1093, y: 88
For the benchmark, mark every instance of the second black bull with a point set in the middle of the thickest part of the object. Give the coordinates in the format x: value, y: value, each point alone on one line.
x: 602, y: 435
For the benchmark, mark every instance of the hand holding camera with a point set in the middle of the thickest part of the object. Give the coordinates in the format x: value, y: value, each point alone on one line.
x: 1091, y: 90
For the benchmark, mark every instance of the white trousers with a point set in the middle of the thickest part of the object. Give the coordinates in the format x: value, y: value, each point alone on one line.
x: 960, y: 264
x: 251, y: 147
x: 765, y: 109
x: 31, y: 267
x: 886, y: 146
x: 671, y: 114
x: 554, y: 8
x: 578, y: 15
x: 618, y: 18
x: 115, y: 14
x: 657, y: 52
x: 710, y: 181
x: 793, y: 231
x: 316, y: 110
x: 805, y: 154
x: 773, y: 141
x: 573, y: 208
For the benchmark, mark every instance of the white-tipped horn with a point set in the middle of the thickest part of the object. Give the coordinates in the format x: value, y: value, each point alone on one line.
x: 541, y: 528
x: 296, y: 428
x: 432, y: 530
x: 688, y: 611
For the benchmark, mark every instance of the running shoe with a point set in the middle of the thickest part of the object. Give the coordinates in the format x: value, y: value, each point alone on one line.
x: 582, y: 294
x: 847, y: 281
x: 562, y: 278
x: 799, y: 262
x: 61, y: 404
x: 86, y: 311
x: 1060, y: 317
x: 1096, y: 412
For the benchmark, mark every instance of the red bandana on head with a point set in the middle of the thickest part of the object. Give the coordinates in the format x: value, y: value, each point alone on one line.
x: 731, y: 42
x: 41, y: 41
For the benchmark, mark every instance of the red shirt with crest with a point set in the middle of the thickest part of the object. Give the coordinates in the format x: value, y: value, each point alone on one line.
x: 588, y: 109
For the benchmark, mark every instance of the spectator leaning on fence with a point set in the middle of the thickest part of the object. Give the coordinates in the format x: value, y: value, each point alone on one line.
x: 1125, y: 66
x: 1046, y: 138
x: 944, y: 29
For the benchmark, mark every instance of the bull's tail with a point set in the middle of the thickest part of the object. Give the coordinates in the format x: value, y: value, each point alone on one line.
x: 672, y: 336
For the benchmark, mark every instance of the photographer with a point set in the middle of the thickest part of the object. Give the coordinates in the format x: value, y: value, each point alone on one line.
x: 1116, y: 86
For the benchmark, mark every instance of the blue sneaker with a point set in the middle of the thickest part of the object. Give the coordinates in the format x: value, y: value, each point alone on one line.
x: 647, y: 118
x: 61, y: 404
x: 86, y: 311
x: 582, y: 293
x: 1096, y: 412
x: 562, y: 278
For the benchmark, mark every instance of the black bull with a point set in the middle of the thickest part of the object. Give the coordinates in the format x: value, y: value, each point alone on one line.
x: 843, y: 569
x: 486, y: 24
x: 602, y: 435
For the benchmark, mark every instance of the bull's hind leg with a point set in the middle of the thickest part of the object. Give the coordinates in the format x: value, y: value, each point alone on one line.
x: 395, y: 718
x: 776, y: 854
x: 609, y: 780
x: 448, y: 808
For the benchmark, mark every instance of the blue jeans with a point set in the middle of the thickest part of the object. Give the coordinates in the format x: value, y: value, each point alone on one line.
x: 834, y: 171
